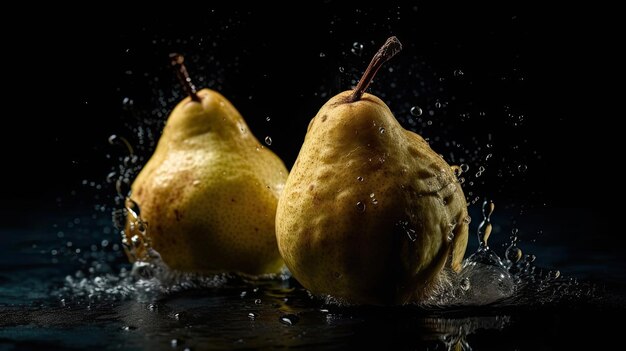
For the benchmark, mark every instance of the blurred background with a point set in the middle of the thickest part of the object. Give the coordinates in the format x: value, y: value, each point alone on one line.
x: 496, y: 88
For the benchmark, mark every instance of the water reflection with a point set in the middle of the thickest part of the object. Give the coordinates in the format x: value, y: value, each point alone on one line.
x: 453, y: 332
x: 219, y: 318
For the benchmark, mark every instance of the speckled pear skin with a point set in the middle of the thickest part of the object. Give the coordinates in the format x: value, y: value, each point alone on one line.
x: 210, y: 190
x: 414, y: 221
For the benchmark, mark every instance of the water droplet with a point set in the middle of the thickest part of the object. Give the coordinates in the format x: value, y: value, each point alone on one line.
x: 481, y: 169
x: 174, y: 342
x: 360, y: 206
x: 252, y: 315
x: 485, y: 227
x: 119, y: 140
x: 450, y: 236
x: 488, y: 157
x: 458, y: 73
x: 382, y: 130
x: 128, y: 101
x: 554, y: 274
x: 430, y: 123
x: 456, y: 170
x: 464, y: 167
x: 122, y: 187
x: 513, y: 253
x: 410, y: 232
x: 341, y: 69
x: 152, y: 307
x: 135, y: 240
x: 289, y: 319
x: 438, y: 104
x: 357, y: 48
x: 268, y: 140
x: 243, y: 294
x: 322, y: 54
x: 522, y: 168
x: 416, y: 111
x: 257, y: 301
x: 267, y: 118
x: 359, y: 178
x: 111, y: 177
x: 465, y: 284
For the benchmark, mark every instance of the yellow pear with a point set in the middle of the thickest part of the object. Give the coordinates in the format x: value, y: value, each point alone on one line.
x: 370, y: 214
x: 209, y: 192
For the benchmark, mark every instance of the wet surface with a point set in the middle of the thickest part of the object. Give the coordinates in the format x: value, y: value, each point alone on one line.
x: 221, y: 319
x: 54, y: 301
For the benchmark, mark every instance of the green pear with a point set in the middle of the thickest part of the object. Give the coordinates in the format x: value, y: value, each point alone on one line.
x: 370, y: 214
x: 209, y: 192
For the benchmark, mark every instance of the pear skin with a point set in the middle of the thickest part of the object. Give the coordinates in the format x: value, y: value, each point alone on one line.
x: 209, y: 192
x: 370, y: 214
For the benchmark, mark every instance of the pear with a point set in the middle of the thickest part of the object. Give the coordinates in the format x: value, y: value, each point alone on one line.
x: 370, y: 214
x: 208, y: 194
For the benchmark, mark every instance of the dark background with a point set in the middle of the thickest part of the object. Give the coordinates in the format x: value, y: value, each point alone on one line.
x: 70, y: 75
x: 69, y: 81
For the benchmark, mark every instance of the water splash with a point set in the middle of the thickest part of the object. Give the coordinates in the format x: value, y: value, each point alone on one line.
x: 135, y: 239
x: 146, y: 282
x: 486, y: 279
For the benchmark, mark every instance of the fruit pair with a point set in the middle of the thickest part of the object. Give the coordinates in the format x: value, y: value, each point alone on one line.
x: 369, y: 214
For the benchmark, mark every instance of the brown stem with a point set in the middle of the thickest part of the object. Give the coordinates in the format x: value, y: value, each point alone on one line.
x: 177, y: 61
x: 391, y: 47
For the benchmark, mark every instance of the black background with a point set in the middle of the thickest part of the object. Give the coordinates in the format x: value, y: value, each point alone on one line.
x: 70, y: 77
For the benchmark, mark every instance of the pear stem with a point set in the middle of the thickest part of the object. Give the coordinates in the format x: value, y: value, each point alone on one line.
x: 177, y: 61
x: 391, y: 47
